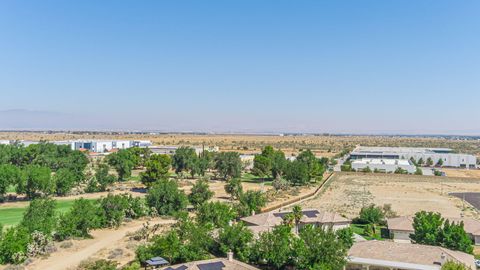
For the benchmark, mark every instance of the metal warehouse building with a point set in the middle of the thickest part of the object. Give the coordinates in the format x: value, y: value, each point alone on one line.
x: 449, y: 158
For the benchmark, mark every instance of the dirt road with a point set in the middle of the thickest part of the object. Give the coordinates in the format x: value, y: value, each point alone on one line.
x: 83, y: 249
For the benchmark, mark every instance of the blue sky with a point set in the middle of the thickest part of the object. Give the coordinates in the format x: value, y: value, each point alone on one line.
x: 248, y: 66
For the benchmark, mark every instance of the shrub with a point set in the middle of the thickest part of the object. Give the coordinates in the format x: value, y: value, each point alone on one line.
x: 200, y: 193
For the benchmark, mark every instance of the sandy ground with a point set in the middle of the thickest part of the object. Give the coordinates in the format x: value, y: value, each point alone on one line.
x: 348, y: 192
x: 103, y: 241
x: 462, y: 173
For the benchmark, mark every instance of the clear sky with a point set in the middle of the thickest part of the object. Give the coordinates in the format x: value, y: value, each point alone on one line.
x: 251, y: 66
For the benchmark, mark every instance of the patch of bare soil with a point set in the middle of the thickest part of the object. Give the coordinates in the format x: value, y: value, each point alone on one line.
x: 407, y: 194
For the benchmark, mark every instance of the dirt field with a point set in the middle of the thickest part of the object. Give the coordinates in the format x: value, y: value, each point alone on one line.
x: 101, y: 246
x: 407, y: 194
x: 462, y: 173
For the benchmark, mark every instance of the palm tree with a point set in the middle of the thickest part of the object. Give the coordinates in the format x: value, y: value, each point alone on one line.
x: 289, y: 219
x: 297, y: 215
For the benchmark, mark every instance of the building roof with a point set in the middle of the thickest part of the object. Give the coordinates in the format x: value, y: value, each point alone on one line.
x: 379, y: 161
x: 412, y: 150
x: 213, y: 264
x: 270, y: 219
x: 157, y: 261
x: 405, y: 255
x: 405, y: 223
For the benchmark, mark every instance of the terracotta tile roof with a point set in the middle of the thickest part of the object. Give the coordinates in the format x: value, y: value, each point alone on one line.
x: 387, y: 251
x: 217, y: 263
x: 270, y: 219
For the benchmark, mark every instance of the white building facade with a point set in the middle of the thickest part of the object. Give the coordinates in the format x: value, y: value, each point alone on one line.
x: 449, y: 159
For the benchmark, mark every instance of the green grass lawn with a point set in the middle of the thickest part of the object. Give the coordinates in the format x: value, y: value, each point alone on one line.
x: 13, y: 215
x: 250, y: 178
x: 360, y: 230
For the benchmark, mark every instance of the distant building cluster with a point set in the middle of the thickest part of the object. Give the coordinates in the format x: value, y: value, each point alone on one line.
x: 96, y: 146
x: 387, y: 158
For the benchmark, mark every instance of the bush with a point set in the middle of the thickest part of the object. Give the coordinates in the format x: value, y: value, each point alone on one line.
x: 99, y: 265
x: 115, y: 208
x: 280, y: 184
x: 13, y: 245
x: 40, y: 216
x: 234, y: 187
x: 371, y: 215
x: 78, y: 222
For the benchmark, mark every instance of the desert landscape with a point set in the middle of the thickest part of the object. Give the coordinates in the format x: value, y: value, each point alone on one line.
x: 347, y: 192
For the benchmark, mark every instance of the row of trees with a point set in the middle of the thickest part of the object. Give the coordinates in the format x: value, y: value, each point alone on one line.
x: 272, y: 164
x: 41, y: 224
x: 40, y: 169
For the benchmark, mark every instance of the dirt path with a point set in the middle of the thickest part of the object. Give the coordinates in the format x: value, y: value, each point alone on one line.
x: 83, y: 249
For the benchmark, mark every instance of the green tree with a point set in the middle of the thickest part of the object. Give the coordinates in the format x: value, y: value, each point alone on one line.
x: 427, y: 228
x: 40, y: 216
x: 9, y: 175
x: 216, y: 213
x: 371, y: 214
x: 64, y: 180
x: 279, y: 164
x: 79, y: 220
x: 204, y: 162
x: 439, y: 163
x: 453, y: 236
x: 234, y: 187
x: 236, y: 238
x: 115, y: 208
x: 429, y: 162
x: 314, y: 166
x: 184, y: 159
x: 420, y: 162
x: 274, y: 248
x: 251, y: 201
x: 418, y: 171
x: 262, y: 166
x: 320, y: 247
x: 200, y: 193
x: 297, y: 216
x: 103, y: 178
x: 345, y: 235
x: 297, y: 173
x: 168, y: 245
x: 36, y: 180
x: 158, y: 167
x: 228, y: 165
x: 166, y: 197
x: 123, y: 162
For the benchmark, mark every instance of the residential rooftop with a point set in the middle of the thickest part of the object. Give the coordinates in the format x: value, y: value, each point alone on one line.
x: 405, y: 223
x: 212, y: 264
x: 405, y: 256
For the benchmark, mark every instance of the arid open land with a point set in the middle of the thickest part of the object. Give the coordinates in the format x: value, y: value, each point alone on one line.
x: 322, y: 145
x: 347, y: 192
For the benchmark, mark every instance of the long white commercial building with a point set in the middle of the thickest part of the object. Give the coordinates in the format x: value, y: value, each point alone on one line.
x: 449, y: 158
x: 383, y: 165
